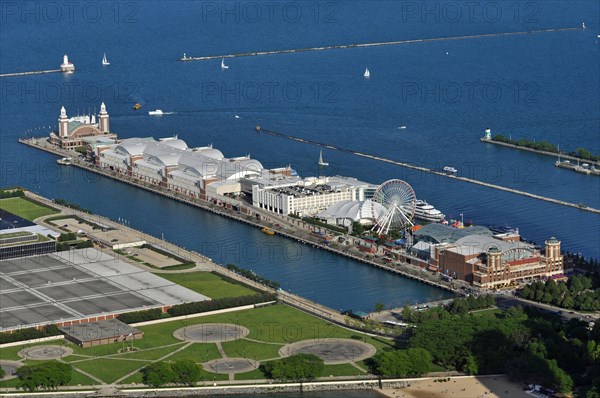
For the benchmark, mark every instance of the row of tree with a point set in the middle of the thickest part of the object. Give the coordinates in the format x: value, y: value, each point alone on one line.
x: 63, y: 202
x: 16, y: 193
x: 581, y: 292
x: 253, y: 276
x: 413, y: 362
x: 580, y: 153
x: 219, y: 304
x: 28, y: 334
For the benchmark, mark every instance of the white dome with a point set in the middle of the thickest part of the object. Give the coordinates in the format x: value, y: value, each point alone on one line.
x: 362, y: 211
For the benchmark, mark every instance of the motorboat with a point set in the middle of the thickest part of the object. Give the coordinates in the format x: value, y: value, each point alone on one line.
x: 157, y: 112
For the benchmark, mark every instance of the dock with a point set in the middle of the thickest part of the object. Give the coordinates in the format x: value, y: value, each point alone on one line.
x: 374, y: 44
x: 36, y: 72
x: 431, y: 171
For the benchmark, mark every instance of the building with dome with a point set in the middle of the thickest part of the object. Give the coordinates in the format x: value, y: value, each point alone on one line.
x: 78, y: 131
x: 492, y: 262
x: 346, y: 212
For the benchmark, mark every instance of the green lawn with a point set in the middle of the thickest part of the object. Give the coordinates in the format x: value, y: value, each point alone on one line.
x: 209, y: 284
x: 110, y: 370
x: 25, y: 208
x: 251, y: 349
x: 198, y: 352
x: 278, y: 324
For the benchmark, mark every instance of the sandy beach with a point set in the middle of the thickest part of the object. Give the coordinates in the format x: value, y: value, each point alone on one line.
x: 460, y: 387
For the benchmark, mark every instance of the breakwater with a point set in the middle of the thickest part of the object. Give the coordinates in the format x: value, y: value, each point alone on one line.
x: 540, y: 152
x: 36, y: 72
x: 241, y: 217
x: 431, y: 171
x: 374, y: 44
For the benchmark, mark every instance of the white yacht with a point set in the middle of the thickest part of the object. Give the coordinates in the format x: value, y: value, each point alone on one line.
x: 367, y: 74
x: 157, y: 112
x: 427, y: 212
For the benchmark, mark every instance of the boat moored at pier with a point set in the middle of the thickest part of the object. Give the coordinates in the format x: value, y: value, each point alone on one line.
x: 426, y: 212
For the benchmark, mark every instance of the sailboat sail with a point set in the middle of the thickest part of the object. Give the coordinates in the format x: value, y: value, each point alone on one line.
x: 367, y: 73
x: 223, y: 66
x: 105, y: 61
x: 321, y: 162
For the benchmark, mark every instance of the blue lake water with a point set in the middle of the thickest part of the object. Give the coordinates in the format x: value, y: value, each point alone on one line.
x: 535, y: 86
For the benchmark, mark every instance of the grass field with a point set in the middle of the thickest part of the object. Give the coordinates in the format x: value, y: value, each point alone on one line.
x: 209, y: 284
x: 271, y: 327
x: 25, y: 208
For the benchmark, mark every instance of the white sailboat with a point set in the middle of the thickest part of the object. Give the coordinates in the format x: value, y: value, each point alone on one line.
x: 321, y: 162
x: 223, y: 66
x: 105, y: 61
x: 367, y: 73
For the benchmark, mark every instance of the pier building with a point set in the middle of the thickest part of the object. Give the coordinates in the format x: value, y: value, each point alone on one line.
x: 309, y: 196
x: 170, y: 163
x: 79, y: 131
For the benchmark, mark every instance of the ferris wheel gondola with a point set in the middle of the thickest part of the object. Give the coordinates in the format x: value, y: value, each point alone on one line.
x: 399, y: 199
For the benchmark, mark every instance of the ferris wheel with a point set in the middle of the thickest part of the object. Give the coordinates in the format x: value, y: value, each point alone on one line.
x: 399, y: 199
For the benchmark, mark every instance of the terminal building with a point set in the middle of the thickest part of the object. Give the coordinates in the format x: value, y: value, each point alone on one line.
x: 487, y: 260
x: 79, y: 131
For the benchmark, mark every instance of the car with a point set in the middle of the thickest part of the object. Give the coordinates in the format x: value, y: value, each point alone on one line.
x: 114, y: 240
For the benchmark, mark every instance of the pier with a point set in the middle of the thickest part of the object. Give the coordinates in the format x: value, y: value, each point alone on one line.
x: 375, y: 44
x: 244, y: 217
x: 431, y: 171
x: 37, y: 72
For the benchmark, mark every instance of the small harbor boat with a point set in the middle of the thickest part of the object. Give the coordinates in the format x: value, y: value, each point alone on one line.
x: 105, y: 61
x: 157, y: 112
x: 65, y: 161
x: 450, y: 170
x: 321, y: 162
x: 268, y: 231
x: 137, y: 106
x: 223, y: 66
x: 367, y: 73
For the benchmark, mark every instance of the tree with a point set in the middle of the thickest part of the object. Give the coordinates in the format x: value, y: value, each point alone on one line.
x: 186, y: 372
x: 2, y: 372
x: 379, y: 307
x: 47, y: 376
x: 296, y: 367
x: 158, y: 374
x: 411, y: 362
x: 407, y: 313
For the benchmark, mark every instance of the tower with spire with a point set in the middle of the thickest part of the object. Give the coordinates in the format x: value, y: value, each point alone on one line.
x: 103, y: 123
x: 63, y: 124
